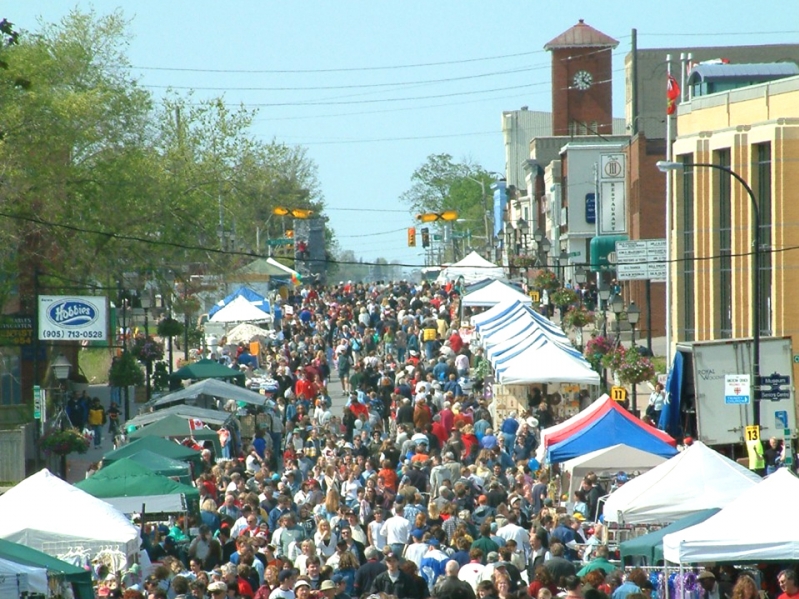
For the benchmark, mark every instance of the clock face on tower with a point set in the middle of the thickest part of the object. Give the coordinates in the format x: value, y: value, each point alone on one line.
x: 582, y: 80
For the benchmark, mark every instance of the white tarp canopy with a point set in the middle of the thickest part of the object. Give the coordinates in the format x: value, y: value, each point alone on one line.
x: 240, y: 309
x: 244, y: 333
x: 736, y: 534
x: 494, y: 313
x: 212, y: 388
x: 495, y: 293
x: 472, y: 268
x: 153, y: 504
x: 217, y: 417
x: 18, y: 579
x: 697, y: 479
x: 540, y: 360
x: 282, y: 267
x: 48, y: 514
x: 618, y: 458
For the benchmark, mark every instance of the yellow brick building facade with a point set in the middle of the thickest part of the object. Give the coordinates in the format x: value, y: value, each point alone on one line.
x: 755, y: 132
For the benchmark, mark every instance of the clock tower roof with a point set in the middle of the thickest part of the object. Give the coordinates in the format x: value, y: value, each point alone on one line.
x: 581, y: 36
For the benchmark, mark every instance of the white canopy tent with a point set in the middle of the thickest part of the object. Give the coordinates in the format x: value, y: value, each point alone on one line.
x: 618, y: 458
x: 289, y: 272
x: 240, y: 309
x: 80, y: 520
x: 153, y: 504
x: 697, y: 479
x: 541, y: 360
x: 18, y: 579
x: 495, y: 293
x: 734, y: 534
x: 494, y: 313
x: 472, y: 268
x: 244, y: 333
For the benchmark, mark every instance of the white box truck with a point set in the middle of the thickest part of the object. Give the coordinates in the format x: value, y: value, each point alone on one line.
x: 719, y: 421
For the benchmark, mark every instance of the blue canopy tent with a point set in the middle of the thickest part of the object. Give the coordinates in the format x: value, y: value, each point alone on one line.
x: 256, y: 299
x: 610, y: 428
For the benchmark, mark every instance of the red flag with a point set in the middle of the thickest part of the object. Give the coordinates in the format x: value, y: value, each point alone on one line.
x: 672, y: 93
x: 195, y: 423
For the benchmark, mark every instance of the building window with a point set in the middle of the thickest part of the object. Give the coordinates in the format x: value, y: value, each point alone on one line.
x: 762, y: 189
x: 689, y: 253
x: 724, y: 209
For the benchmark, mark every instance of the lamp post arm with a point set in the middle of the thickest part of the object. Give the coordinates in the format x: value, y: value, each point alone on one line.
x: 756, y: 251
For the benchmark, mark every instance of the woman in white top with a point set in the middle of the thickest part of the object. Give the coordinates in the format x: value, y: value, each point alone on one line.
x: 325, y: 540
x: 308, y: 550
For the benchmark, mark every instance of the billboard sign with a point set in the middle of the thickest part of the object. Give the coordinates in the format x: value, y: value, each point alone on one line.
x: 73, y: 318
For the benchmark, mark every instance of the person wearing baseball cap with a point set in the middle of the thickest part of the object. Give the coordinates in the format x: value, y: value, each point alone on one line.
x: 393, y: 581
x: 285, y: 590
x: 217, y: 589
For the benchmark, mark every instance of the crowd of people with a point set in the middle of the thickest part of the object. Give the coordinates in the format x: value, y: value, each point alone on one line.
x: 414, y: 489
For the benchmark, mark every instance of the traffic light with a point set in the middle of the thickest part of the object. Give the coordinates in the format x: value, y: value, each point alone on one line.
x: 425, y: 237
x: 411, y: 237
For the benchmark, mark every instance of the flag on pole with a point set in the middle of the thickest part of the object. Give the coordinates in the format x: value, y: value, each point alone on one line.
x: 195, y: 424
x: 672, y: 93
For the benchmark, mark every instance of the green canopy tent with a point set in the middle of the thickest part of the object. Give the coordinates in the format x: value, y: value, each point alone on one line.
x: 128, y: 486
x: 174, y: 426
x: 650, y: 546
x: 157, y: 445
x: 81, y: 579
x: 206, y: 369
x: 163, y: 465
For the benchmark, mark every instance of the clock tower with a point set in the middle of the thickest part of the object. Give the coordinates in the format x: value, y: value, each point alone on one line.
x: 582, y: 71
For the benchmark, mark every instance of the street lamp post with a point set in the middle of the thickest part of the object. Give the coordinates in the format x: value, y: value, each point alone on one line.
x: 617, y: 306
x: 633, y: 315
x: 666, y: 166
x: 61, y: 367
x: 580, y: 277
x: 604, y: 296
x: 148, y: 363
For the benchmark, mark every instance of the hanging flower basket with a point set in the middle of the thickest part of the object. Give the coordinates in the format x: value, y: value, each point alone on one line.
x: 634, y: 368
x: 125, y: 371
x: 578, y: 317
x: 147, y: 349
x: 64, y: 442
x: 596, y: 349
x: 564, y: 297
x: 546, y: 280
x: 521, y: 261
x: 170, y: 327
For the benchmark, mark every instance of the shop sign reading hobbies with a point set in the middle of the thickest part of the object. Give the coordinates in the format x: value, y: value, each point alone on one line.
x: 73, y: 318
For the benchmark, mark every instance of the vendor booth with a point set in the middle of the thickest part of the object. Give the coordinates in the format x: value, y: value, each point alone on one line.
x: 736, y: 534
x: 130, y: 487
x: 472, y: 268
x: 649, y: 547
x: 66, y: 574
x: 492, y: 294
x: 205, y: 394
x: 80, y: 519
x: 697, y: 479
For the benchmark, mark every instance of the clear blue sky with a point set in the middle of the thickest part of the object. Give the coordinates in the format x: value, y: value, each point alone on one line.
x: 367, y: 141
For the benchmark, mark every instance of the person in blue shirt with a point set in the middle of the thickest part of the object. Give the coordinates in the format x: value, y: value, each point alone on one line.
x: 565, y: 535
x: 509, y: 428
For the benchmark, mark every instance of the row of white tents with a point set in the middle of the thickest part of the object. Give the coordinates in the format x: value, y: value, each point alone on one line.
x: 524, y: 347
x: 700, y: 479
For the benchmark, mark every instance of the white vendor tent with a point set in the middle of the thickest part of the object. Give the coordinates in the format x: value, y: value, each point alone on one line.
x: 244, y: 333
x: 538, y: 359
x: 198, y: 394
x: 697, y: 479
x: 18, y: 579
x: 618, y: 458
x: 240, y: 309
x: 734, y: 534
x: 496, y: 312
x: 79, y: 520
x: 496, y: 292
x: 472, y: 268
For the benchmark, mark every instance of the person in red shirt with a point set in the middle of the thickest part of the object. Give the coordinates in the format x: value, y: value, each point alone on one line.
x: 388, y: 475
x: 455, y: 342
x: 438, y: 430
x: 304, y: 388
x: 787, y: 582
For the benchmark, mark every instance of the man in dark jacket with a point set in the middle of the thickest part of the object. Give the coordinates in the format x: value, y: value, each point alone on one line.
x: 405, y: 413
x: 393, y: 581
x: 450, y: 586
x: 367, y: 573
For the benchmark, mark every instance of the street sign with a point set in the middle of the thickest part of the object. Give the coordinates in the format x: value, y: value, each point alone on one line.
x: 535, y: 297
x: 781, y: 419
x: 38, y: 403
x: 279, y: 241
x: 752, y: 433
x: 771, y: 386
x: 643, y: 259
x: 736, y: 389
x: 618, y: 394
x: 662, y: 378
